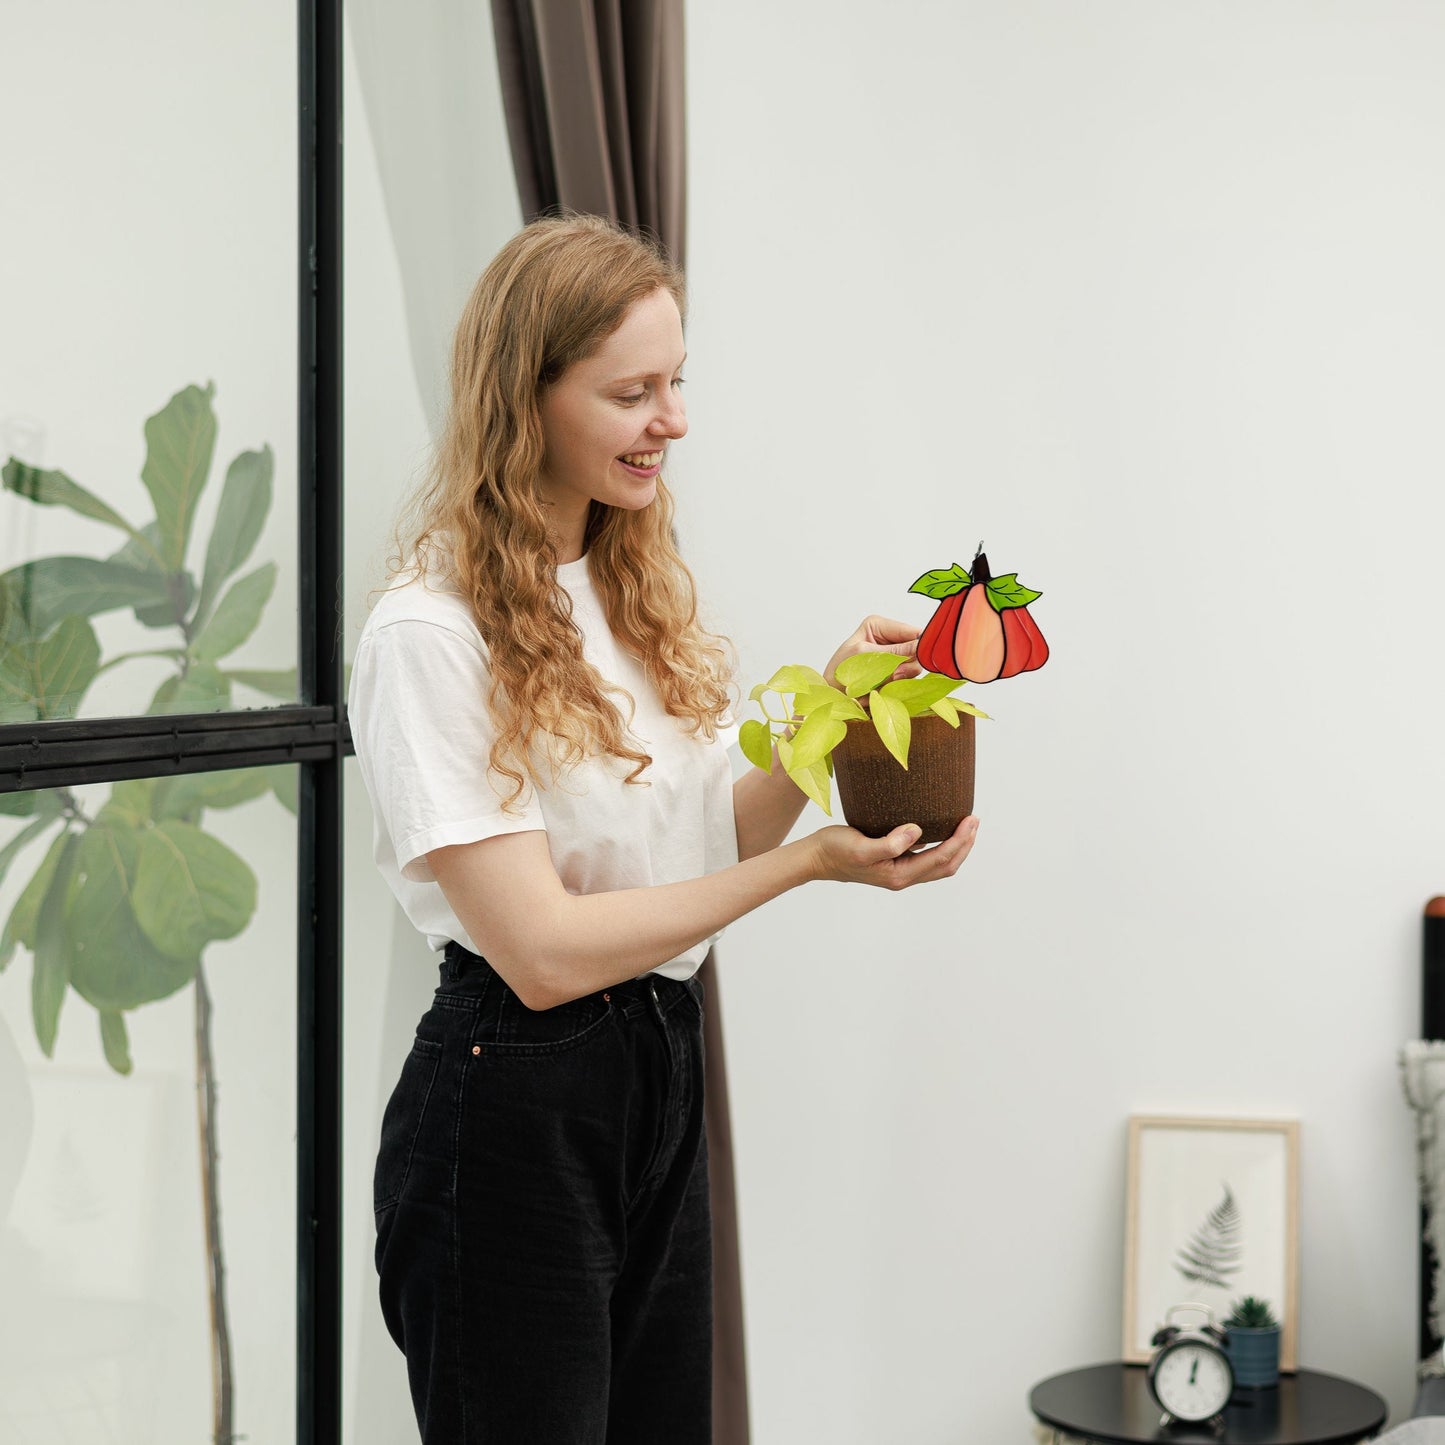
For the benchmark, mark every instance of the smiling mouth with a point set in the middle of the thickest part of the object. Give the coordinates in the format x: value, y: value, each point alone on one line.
x: 641, y: 461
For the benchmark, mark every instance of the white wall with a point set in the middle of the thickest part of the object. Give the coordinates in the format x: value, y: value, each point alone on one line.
x: 1146, y: 296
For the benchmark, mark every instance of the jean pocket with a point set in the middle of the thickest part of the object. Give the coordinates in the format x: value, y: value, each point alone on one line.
x: 402, y: 1120
x: 516, y: 1031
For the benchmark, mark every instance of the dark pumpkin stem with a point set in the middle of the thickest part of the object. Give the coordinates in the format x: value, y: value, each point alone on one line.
x: 980, y: 568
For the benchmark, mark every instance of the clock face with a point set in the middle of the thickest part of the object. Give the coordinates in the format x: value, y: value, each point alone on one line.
x: 1191, y: 1380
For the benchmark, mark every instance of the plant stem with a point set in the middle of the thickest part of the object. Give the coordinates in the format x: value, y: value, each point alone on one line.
x: 210, y: 1197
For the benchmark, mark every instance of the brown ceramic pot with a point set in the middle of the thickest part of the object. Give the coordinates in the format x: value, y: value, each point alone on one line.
x: 935, y: 790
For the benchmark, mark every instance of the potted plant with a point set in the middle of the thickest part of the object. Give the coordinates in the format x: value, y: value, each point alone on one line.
x: 1251, y: 1336
x: 981, y: 631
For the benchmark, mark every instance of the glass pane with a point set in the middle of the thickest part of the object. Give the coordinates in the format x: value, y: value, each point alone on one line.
x: 149, y: 944
x: 148, y: 376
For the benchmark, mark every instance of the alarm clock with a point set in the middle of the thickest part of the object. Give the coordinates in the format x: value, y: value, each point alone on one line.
x: 1190, y: 1375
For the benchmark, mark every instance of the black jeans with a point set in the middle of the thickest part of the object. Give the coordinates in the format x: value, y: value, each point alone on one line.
x: 543, y: 1234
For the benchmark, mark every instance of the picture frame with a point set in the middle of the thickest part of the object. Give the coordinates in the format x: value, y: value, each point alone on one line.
x: 1212, y: 1215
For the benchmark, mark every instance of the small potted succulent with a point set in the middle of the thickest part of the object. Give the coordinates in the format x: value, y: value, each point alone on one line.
x: 981, y: 631
x: 1251, y: 1336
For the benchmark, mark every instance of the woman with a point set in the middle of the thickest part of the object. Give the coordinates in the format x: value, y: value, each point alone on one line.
x: 543, y: 1234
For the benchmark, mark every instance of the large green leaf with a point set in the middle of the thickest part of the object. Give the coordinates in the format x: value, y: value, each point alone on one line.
x: 819, y: 734
x: 284, y: 778
x: 863, y: 671
x: 180, y: 439
x: 238, y: 614
x: 55, y: 489
x: 130, y: 802
x: 245, y: 501
x: 52, y: 948
x: 17, y: 805
x: 115, y: 965
x: 205, y: 688
x: 893, y: 724
x: 279, y: 682
x: 12, y: 848
x: 756, y: 741
x: 143, y: 552
x: 185, y: 796
x: 48, y: 679
x: 190, y: 889
x: 54, y: 587
x: 114, y: 1041
x: 20, y: 926
x: 14, y: 628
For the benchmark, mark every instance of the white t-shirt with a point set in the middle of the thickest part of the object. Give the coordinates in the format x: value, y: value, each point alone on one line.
x: 423, y: 737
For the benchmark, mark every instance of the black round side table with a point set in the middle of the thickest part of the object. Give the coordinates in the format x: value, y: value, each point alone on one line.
x: 1112, y: 1404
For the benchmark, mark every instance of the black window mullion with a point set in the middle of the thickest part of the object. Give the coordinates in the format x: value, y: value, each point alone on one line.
x: 320, y: 677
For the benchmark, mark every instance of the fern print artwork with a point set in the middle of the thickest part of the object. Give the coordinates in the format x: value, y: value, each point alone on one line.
x: 1215, y: 1253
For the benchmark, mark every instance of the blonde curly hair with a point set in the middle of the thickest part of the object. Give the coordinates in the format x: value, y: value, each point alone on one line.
x: 549, y: 299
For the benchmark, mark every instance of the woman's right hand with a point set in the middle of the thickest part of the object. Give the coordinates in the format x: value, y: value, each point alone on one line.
x: 844, y: 855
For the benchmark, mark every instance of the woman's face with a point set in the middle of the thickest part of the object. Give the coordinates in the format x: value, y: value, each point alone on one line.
x: 607, y: 421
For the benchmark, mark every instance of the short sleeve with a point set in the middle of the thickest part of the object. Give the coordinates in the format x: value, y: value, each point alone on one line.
x: 423, y: 737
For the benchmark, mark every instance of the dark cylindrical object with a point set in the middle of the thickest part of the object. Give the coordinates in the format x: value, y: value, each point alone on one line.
x: 1432, y: 1026
x: 935, y: 790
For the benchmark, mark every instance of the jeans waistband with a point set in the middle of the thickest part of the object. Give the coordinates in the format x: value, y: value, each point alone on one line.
x: 648, y: 986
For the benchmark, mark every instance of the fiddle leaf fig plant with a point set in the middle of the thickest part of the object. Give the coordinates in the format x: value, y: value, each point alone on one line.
x: 820, y: 714
x: 128, y: 895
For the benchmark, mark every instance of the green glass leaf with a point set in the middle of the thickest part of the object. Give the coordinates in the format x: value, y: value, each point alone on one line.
x: 115, y: 965
x: 185, y: 796
x: 918, y: 694
x: 944, y: 583
x: 20, y: 926
x: 245, y: 501
x: 114, y: 1041
x: 52, y: 950
x: 814, y: 783
x: 55, y: 587
x: 946, y: 710
x: 180, y: 439
x: 280, y: 683
x: 205, y: 688
x: 55, y: 489
x: 1006, y: 592
x: 865, y: 670
x: 284, y: 783
x: 15, y: 845
x: 793, y: 678
x: 237, y: 616
x: 818, y: 735
x: 190, y: 889
x: 756, y: 741
x: 891, y: 719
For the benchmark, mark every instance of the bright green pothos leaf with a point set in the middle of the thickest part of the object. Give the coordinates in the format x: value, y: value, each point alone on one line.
x: 114, y: 1041
x: 814, y: 781
x: 245, y: 501
x: 789, y: 680
x: 828, y: 700
x: 51, y: 947
x: 818, y: 735
x: 190, y: 889
x: 918, y: 694
x: 894, y: 726
x: 237, y: 616
x: 180, y: 439
x: 943, y: 583
x: 865, y: 670
x: 1006, y: 591
x: 55, y: 489
x: 756, y: 741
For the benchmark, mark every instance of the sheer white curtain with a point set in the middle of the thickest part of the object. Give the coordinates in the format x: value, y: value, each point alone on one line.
x: 430, y: 197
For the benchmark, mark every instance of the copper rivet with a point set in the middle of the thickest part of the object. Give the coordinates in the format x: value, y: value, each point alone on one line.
x: 476, y: 1048
x: 606, y: 998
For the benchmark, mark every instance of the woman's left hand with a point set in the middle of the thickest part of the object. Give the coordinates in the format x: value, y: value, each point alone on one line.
x: 881, y: 634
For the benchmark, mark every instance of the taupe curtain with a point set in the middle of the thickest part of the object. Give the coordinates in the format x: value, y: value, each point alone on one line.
x: 593, y: 91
